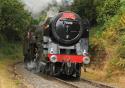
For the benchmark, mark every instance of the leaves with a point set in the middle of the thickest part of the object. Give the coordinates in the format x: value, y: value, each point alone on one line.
x: 13, y: 17
x: 106, y: 10
x: 86, y: 9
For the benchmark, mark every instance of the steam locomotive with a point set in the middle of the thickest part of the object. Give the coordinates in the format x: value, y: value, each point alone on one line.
x: 59, y: 49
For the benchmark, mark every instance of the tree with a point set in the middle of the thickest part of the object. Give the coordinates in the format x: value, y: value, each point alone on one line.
x: 97, y: 11
x: 13, y: 19
x: 86, y: 9
x: 106, y: 10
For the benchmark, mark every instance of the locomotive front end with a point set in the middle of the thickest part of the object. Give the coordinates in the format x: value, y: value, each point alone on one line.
x: 66, y: 33
x: 67, y: 28
x: 59, y: 46
x: 65, y: 52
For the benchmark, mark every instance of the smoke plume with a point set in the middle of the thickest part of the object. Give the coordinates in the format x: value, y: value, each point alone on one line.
x: 35, y: 7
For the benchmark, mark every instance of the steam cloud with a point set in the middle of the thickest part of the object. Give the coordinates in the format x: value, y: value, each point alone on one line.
x: 37, y: 6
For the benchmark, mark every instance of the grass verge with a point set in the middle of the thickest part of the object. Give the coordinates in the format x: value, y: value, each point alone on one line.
x: 101, y: 76
x: 9, y: 54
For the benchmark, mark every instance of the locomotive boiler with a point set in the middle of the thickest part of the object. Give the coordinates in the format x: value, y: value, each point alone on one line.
x: 59, y: 47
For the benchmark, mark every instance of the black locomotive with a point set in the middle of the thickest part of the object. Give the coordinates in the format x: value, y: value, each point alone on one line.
x: 59, y: 46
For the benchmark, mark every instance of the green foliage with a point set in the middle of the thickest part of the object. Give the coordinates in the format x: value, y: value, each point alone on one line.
x: 115, y: 66
x: 121, y: 64
x: 13, y: 19
x: 10, y: 50
x: 111, y: 67
x: 122, y: 8
x: 110, y: 35
x: 121, y: 51
x: 121, y: 39
x: 96, y: 10
x: 107, y: 9
x: 85, y: 8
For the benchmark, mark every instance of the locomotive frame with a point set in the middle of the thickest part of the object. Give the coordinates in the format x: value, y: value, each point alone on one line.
x: 50, y: 55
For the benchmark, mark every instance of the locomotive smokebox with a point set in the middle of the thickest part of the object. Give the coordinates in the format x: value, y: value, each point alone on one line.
x: 66, y: 28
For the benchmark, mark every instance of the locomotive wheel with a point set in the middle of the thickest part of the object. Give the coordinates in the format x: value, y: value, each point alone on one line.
x: 52, y: 69
x: 69, y: 69
x: 47, y: 69
x: 78, y: 72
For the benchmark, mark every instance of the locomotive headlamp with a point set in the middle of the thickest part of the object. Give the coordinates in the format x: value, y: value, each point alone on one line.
x: 86, y: 60
x: 51, y: 51
x: 53, y: 58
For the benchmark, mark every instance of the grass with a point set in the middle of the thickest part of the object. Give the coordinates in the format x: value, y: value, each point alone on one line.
x: 9, y: 54
x: 6, y: 78
x: 101, y: 76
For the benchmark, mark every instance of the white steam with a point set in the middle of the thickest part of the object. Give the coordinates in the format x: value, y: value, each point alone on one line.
x: 52, y: 11
x: 35, y: 7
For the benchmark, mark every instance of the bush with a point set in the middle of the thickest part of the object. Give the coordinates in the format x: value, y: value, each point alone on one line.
x: 10, y: 50
x: 121, y: 64
x: 121, y: 52
x: 107, y: 9
x: 13, y: 19
x: 86, y: 9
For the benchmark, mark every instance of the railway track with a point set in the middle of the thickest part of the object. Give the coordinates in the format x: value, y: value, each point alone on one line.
x: 67, y: 83
x: 58, y: 80
x: 81, y: 83
x: 97, y: 84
